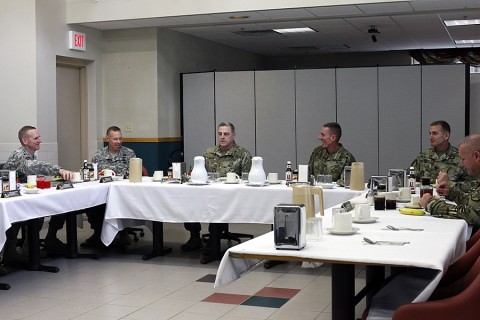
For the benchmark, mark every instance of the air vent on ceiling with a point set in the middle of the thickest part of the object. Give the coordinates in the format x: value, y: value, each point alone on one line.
x: 257, y: 33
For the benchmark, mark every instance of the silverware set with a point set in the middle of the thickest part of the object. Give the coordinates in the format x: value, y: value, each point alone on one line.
x: 391, y: 243
x: 402, y: 228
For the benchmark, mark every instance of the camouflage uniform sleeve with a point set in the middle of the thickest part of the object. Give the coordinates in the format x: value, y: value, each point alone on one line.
x: 18, y: 161
x: 310, y: 163
x: 348, y: 162
x: 246, y: 162
x: 467, y: 207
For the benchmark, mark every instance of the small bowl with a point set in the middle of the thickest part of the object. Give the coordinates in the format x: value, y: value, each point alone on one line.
x: 31, y: 190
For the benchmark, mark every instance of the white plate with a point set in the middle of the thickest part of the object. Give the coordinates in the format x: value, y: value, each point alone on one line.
x: 197, y: 183
x: 160, y: 180
x: 326, y: 185
x: 31, y: 190
x: 371, y: 220
x: 342, y: 233
x: 231, y: 182
x: 403, y: 200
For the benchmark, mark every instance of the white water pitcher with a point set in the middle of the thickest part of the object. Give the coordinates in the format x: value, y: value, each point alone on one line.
x: 257, y: 174
x: 199, y: 173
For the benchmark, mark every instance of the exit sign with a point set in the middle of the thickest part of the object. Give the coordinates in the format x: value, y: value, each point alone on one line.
x: 77, y: 41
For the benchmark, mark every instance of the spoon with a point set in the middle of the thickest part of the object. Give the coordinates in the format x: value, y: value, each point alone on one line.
x: 402, y: 228
x: 393, y: 243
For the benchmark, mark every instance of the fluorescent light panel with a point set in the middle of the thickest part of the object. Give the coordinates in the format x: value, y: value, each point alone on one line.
x: 464, y: 22
x: 294, y: 30
x: 473, y: 41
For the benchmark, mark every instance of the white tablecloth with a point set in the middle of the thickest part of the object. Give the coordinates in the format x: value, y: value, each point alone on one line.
x: 227, y: 203
x: 49, y: 202
x: 441, y: 242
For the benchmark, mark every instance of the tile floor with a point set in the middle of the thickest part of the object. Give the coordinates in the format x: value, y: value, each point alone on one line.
x: 120, y: 285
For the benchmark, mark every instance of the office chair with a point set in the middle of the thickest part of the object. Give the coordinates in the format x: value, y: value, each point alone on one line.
x: 230, y: 236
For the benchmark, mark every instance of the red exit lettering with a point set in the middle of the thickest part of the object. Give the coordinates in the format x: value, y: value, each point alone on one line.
x: 79, y: 40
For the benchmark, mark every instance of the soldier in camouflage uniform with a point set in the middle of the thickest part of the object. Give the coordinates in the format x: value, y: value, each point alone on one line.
x: 331, y: 157
x: 116, y: 158
x: 441, y: 157
x: 225, y: 157
x: 467, y: 205
x: 26, y: 163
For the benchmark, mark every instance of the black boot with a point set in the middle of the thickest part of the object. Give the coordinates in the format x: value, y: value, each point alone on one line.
x: 194, y: 243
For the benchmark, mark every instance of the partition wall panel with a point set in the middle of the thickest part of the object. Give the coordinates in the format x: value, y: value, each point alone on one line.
x: 399, y: 124
x: 357, y: 113
x: 198, y: 114
x: 385, y: 112
x: 235, y: 102
x: 443, y: 98
x: 315, y: 105
x: 275, y: 118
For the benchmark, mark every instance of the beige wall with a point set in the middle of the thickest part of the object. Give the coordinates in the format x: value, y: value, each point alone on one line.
x: 35, y: 32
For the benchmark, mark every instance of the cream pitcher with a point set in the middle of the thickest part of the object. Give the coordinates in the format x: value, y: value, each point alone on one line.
x: 304, y: 194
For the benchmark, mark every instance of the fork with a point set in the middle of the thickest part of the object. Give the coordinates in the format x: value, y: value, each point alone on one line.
x: 393, y: 243
x: 402, y: 228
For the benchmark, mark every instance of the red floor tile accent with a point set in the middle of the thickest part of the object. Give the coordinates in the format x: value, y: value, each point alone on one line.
x: 226, y: 298
x: 277, y: 292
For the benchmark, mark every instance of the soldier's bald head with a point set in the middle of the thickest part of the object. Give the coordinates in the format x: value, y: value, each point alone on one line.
x: 471, y: 142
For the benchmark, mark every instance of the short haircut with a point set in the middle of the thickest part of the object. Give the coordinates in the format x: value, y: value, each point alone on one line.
x: 23, y: 132
x: 227, y: 124
x: 471, y: 142
x: 113, y: 128
x: 444, y: 124
x: 334, y: 128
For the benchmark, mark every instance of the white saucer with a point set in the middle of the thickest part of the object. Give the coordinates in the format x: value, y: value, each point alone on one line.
x: 231, y: 182
x: 277, y: 182
x: 257, y: 184
x: 371, y: 220
x: 197, y: 183
x: 403, y: 200
x: 160, y: 180
x: 342, y: 233
x: 31, y: 190
x: 326, y: 185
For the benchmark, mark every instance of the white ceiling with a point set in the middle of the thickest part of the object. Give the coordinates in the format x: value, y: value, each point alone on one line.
x: 405, y: 25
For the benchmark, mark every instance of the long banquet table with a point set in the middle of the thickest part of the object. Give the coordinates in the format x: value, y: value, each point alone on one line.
x: 441, y: 242
x: 131, y: 203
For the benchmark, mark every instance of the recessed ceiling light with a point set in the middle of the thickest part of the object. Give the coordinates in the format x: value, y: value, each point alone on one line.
x: 239, y: 17
x: 294, y: 30
x: 463, y: 22
x: 474, y: 41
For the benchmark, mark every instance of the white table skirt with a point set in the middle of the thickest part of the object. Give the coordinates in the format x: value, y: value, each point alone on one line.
x: 441, y: 243
x: 221, y: 203
x: 49, y: 202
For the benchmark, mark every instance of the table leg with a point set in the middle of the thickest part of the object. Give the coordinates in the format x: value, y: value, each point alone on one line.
x: 33, y: 227
x: 158, y: 248
x: 343, y: 291
x: 375, y: 275
x: 72, y: 244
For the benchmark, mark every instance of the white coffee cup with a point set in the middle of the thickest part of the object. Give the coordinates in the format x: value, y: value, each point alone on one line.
x: 32, y: 179
x: 404, y: 193
x: 107, y: 173
x: 76, y: 177
x: 362, y: 211
x: 272, y: 177
x: 232, y: 177
x: 415, y: 198
x: 158, y: 175
x: 342, y: 222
